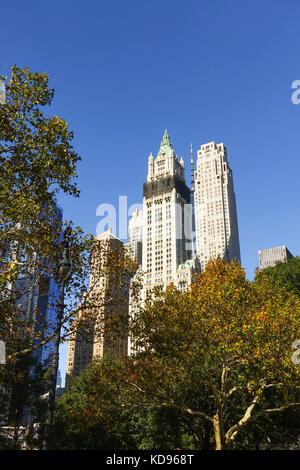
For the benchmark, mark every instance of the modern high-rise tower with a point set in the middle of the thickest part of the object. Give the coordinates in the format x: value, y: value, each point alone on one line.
x: 36, y: 294
x: 215, y: 206
x: 167, y: 223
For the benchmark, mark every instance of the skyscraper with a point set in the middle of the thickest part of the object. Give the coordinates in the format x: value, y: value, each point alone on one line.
x: 58, y: 379
x: 107, y: 300
x: 271, y: 256
x: 36, y: 295
x: 167, y: 223
x: 166, y: 228
x: 215, y: 206
x: 135, y: 236
x: 37, y: 298
x: 47, y: 304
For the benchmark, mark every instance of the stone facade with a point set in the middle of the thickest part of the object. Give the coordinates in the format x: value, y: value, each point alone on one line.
x: 167, y: 223
x: 106, y: 304
x: 271, y: 256
x: 216, y: 223
x: 135, y: 236
x: 167, y: 228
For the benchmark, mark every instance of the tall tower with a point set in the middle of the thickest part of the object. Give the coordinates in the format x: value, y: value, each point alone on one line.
x: 135, y: 236
x: 166, y: 217
x: 107, y: 300
x: 36, y: 293
x: 193, y: 200
x: 215, y: 207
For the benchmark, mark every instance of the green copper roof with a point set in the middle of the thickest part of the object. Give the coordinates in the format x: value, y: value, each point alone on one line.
x: 188, y: 264
x: 165, y: 143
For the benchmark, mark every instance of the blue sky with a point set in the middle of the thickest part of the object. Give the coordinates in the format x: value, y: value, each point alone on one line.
x: 206, y: 70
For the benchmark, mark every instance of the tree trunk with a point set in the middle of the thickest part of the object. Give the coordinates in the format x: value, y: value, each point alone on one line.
x: 218, y: 430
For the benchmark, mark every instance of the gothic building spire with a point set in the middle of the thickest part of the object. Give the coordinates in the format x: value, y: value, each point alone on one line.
x: 165, y: 144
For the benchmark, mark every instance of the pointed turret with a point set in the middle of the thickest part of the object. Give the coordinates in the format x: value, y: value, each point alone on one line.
x: 150, y: 166
x: 165, y: 143
x: 166, y: 138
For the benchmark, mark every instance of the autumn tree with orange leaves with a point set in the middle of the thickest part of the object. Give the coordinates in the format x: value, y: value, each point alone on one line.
x: 227, y: 337
x: 218, y: 358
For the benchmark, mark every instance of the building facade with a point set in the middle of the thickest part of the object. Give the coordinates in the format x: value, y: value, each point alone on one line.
x: 105, y: 306
x: 271, y: 256
x: 38, y: 296
x: 216, y: 223
x: 166, y: 228
x: 167, y: 222
x: 135, y: 236
x: 135, y: 248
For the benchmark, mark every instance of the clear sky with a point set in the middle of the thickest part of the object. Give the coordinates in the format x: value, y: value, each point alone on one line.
x: 206, y: 70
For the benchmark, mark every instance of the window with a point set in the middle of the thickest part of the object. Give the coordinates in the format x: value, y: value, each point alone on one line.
x: 158, y: 214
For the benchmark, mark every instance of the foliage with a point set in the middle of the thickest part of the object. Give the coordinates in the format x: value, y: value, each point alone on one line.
x: 37, y: 161
x: 213, y: 370
x: 96, y: 412
x: 20, y: 401
x: 286, y: 273
x: 112, y: 269
x: 76, y: 428
x: 226, y: 335
x: 279, y: 431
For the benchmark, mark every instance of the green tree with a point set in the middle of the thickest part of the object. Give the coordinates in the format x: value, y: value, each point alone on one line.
x: 226, y: 336
x: 37, y: 161
x: 89, y: 415
x: 20, y: 401
x: 98, y: 412
x: 214, y: 367
x: 286, y: 273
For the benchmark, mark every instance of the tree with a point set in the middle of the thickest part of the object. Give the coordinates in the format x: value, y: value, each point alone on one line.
x: 230, y: 338
x: 213, y: 367
x: 20, y: 400
x: 37, y: 161
x: 97, y: 412
x: 286, y: 273
x: 75, y: 427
